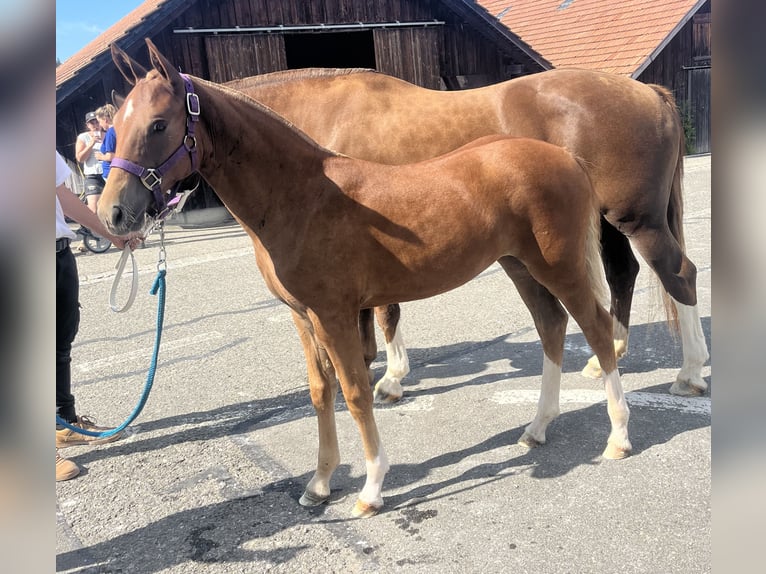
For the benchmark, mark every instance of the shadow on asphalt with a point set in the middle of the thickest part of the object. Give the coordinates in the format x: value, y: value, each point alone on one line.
x: 429, y: 364
x: 215, y: 533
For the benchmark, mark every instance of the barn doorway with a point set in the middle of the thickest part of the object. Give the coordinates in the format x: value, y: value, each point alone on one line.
x: 330, y: 50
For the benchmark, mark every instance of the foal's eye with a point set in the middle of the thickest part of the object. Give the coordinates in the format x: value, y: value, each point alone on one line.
x: 159, y: 126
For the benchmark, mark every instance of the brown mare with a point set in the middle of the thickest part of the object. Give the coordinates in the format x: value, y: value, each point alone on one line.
x: 628, y: 133
x: 334, y: 234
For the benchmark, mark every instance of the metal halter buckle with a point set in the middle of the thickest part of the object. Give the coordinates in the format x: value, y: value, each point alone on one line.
x: 151, y: 179
x: 192, y: 103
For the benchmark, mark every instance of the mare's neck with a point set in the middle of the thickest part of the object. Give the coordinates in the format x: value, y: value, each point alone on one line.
x: 252, y: 157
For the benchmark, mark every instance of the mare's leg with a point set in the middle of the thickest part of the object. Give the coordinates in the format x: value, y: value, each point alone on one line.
x: 389, y: 388
x: 323, y: 387
x: 339, y: 336
x: 367, y: 335
x: 621, y: 269
x: 679, y: 278
x: 551, y: 321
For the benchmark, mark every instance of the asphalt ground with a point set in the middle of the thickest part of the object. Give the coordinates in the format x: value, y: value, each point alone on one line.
x: 209, y: 477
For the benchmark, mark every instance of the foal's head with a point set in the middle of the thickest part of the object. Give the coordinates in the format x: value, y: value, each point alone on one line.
x: 151, y: 127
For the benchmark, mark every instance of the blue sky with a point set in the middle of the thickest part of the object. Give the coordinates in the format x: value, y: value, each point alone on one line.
x: 80, y: 21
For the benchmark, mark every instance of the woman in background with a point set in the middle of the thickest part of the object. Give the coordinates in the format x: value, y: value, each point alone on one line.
x: 105, y: 115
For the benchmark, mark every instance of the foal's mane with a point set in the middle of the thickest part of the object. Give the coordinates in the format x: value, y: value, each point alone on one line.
x: 284, y: 76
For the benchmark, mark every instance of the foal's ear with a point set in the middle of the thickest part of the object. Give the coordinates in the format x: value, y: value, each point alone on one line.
x: 117, y: 99
x: 163, y: 65
x: 128, y: 67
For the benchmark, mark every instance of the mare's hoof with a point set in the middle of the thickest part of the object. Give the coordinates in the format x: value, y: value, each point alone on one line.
x: 687, y: 389
x: 311, y: 499
x: 388, y: 392
x: 614, y: 452
x: 529, y: 441
x: 593, y: 369
x: 364, y: 510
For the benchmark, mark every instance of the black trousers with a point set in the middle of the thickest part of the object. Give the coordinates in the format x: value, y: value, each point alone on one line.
x: 67, y: 324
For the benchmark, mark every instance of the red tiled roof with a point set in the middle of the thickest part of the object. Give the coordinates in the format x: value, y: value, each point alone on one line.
x: 609, y: 35
x: 120, y: 29
x: 617, y: 36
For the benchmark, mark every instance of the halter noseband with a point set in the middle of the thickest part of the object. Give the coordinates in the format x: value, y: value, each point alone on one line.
x: 152, y: 177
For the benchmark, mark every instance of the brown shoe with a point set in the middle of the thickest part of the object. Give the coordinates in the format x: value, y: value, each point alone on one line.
x: 66, y: 437
x: 65, y: 468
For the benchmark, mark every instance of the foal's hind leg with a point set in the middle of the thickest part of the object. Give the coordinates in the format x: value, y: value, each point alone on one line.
x: 323, y: 387
x: 596, y: 327
x: 621, y: 269
x: 389, y: 388
x: 551, y: 321
x: 679, y: 278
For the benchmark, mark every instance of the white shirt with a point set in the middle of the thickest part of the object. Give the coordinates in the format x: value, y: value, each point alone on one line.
x: 91, y: 166
x: 62, y: 173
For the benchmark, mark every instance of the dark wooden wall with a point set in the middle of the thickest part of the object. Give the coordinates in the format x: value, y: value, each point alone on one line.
x: 449, y: 56
x: 429, y: 56
x: 445, y: 56
x: 684, y: 67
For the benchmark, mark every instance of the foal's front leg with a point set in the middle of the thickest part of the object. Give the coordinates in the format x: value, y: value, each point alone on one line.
x: 323, y: 387
x: 340, y: 337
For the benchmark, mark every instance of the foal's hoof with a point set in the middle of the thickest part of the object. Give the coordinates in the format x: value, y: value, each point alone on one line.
x: 529, y: 441
x: 364, y: 510
x: 614, y: 452
x: 593, y: 369
x: 685, y: 388
x: 311, y: 499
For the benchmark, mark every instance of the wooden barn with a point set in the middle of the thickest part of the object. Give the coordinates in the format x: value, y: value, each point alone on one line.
x: 441, y: 44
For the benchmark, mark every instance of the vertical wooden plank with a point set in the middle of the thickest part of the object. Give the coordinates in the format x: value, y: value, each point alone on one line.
x: 259, y: 13
x: 242, y: 14
x: 699, y: 83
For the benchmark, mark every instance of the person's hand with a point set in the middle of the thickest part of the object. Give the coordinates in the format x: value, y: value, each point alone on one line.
x: 121, y: 241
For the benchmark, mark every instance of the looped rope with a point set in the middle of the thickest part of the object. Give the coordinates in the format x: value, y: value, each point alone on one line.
x: 157, y: 287
x: 126, y: 252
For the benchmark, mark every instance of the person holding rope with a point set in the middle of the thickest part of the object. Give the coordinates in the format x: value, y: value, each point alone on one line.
x: 68, y: 317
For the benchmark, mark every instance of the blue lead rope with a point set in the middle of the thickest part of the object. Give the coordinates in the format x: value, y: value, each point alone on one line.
x: 158, y: 286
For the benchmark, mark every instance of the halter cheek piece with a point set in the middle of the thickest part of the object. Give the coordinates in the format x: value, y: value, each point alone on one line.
x: 152, y: 177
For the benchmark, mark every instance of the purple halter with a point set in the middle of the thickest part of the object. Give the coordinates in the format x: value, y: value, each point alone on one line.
x: 152, y: 177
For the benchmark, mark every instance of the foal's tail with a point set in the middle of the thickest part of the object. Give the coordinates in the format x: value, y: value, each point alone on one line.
x: 675, y: 212
x: 593, y: 262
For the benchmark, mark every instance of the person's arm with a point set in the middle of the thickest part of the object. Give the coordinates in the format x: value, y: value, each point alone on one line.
x: 108, y: 156
x: 77, y: 210
x: 82, y: 150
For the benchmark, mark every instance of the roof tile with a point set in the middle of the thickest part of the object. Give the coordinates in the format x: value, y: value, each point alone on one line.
x: 598, y: 34
x: 606, y: 35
